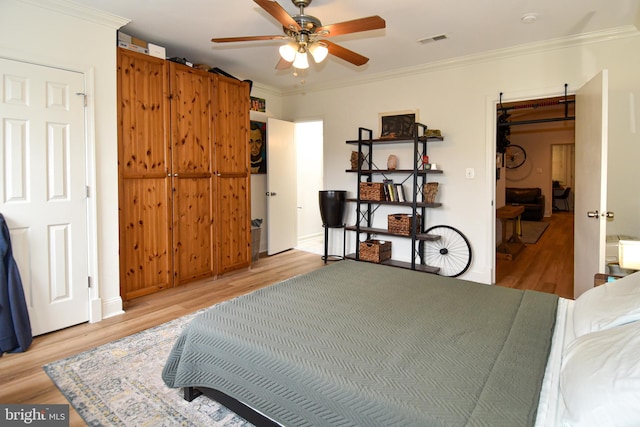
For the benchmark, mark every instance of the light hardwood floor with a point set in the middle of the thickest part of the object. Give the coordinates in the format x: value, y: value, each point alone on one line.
x: 546, y: 266
x: 24, y: 381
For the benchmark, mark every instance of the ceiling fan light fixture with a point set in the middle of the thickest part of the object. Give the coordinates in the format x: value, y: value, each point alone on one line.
x: 301, y: 61
x: 288, y: 51
x: 319, y: 51
x: 303, y: 32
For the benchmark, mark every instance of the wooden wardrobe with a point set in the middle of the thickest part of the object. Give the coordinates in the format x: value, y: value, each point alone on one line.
x: 184, y: 180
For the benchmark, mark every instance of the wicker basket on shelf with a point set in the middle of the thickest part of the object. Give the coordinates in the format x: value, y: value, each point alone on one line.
x: 376, y: 251
x: 401, y: 223
x: 356, y: 160
x: 372, y: 191
x: 429, y: 191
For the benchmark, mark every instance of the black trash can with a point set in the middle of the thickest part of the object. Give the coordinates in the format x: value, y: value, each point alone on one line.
x: 332, y: 207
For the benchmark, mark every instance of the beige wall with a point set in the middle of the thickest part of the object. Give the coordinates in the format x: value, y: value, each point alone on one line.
x: 83, y: 41
x: 459, y: 98
x: 623, y: 198
x: 536, y: 171
x: 46, y: 33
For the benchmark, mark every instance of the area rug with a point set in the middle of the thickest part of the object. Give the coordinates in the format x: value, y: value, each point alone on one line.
x: 120, y: 384
x: 532, y: 230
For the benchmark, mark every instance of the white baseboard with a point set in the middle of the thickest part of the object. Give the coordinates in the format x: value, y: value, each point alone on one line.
x: 95, y: 310
x: 302, y: 239
x: 112, y: 307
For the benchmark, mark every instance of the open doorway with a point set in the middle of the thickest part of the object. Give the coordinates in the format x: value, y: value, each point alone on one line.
x: 309, y: 147
x: 535, y: 127
x: 541, y: 134
x: 287, y: 195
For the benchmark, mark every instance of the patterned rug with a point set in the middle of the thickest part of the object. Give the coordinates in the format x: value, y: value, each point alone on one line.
x: 120, y: 384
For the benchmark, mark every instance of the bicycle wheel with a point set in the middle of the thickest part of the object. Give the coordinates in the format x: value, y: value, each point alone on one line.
x: 515, y: 156
x: 451, y: 253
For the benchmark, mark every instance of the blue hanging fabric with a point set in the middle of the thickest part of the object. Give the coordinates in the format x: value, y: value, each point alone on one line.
x: 15, y: 327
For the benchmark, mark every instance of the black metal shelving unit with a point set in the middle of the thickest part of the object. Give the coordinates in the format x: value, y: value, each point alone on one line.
x: 366, y: 208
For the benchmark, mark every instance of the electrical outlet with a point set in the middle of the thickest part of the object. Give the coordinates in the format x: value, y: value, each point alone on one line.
x: 471, y: 173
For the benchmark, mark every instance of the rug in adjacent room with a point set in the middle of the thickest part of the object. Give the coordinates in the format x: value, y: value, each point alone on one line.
x: 120, y: 383
x: 532, y: 230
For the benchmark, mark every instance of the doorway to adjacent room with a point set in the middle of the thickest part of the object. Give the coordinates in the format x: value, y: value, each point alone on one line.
x: 546, y: 148
x: 310, y: 145
x: 296, y: 177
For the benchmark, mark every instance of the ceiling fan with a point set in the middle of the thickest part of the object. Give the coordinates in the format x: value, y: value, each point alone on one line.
x: 304, y: 33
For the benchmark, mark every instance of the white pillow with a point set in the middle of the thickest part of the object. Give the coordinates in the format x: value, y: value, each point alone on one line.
x: 600, y: 378
x: 605, y: 306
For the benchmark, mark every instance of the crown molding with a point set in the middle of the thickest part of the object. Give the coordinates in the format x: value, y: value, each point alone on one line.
x: 271, y: 90
x: 510, y: 52
x: 80, y: 11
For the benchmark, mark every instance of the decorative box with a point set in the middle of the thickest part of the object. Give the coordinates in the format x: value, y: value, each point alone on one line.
x: 429, y: 191
x: 375, y: 251
x: 401, y: 223
x: 158, y: 51
x: 139, y: 42
x: 124, y: 37
x: 371, y: 191
x: 133, y: 47
x: 356, y: 160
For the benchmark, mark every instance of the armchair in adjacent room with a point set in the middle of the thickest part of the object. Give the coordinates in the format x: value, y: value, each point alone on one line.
x: 563, y: 197
x: 531, y: 198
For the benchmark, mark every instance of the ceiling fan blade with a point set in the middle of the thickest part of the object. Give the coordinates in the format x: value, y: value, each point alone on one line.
x: 275, y: 10
x: 245, y: 39
x: 346, y: 54
x: 355, y: 26
x: 283, y: 65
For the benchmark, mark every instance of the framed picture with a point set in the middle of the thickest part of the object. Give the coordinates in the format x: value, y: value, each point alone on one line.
x: 399, y: 124
x: 258, y: 104
x: 258, y: 146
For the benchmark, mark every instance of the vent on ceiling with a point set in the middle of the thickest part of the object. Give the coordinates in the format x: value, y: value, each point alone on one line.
x: 435, y: 38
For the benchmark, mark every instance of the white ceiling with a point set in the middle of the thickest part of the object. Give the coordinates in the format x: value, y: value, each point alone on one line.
x: 185, y: 28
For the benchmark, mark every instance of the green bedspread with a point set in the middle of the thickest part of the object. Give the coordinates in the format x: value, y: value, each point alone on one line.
x: 362, y: 344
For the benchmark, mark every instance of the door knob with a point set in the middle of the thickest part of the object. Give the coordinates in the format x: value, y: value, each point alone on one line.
x: 593, y: 214
x: 271, y: 194
x: 608, y: 215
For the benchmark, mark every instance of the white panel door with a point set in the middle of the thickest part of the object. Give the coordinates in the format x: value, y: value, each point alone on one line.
x: 43, y: 189
x: 282, y: 190
x: 592, y: 109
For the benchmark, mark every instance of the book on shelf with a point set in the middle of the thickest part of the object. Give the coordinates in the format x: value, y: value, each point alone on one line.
x: 390, y: 191
x: 400, y: 193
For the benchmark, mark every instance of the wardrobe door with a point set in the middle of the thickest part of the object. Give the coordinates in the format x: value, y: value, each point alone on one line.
x: 233, y: 201
x: 143, y: 169
x: 193, y: 186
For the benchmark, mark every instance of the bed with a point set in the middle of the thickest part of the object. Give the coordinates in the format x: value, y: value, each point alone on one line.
x: 362, y: 344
